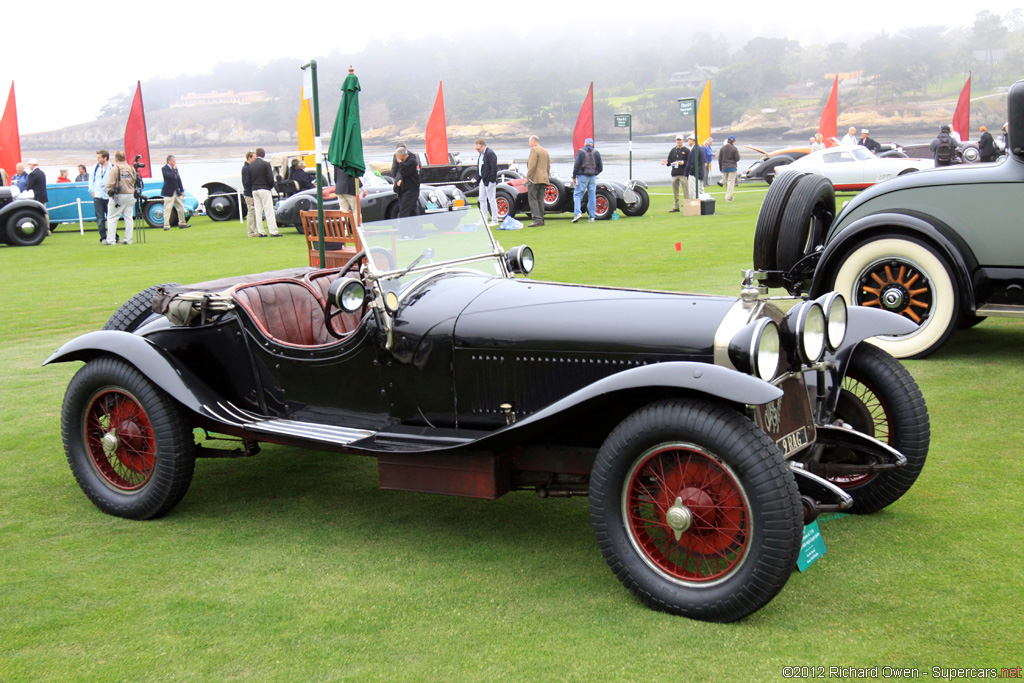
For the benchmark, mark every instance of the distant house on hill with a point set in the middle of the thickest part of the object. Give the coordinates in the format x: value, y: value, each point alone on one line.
x: 230, y: 97
x: 695, y: 78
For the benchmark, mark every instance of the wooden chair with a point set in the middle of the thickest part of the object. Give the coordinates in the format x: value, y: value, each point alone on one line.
x: 341, y: 241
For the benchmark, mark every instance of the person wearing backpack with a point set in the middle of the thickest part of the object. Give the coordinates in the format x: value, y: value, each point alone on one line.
x: 943, y: 147
x: 585, y: 170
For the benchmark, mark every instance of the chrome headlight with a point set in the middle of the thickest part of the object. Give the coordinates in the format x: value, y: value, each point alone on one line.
x: 755, y: 349
x: 808, y: 324
x: 347, y: 294
x: 834, y: 306
x: 519, y: 259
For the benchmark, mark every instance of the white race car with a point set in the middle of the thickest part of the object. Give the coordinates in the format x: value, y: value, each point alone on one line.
x: 854, y: 168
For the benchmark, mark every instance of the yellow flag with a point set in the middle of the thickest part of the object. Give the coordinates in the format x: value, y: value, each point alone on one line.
x: 704, y: 115
x: 305, y: 125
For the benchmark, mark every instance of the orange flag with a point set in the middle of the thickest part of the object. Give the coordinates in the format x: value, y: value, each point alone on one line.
x: 10, y: 141
x: 829, y: 115
x: 437, y: 131
x: 135, y: 141
x: 962, y: 115
x: 584, y: 122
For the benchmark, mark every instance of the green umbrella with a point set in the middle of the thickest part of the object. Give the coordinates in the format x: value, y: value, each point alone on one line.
x: 346, y: 151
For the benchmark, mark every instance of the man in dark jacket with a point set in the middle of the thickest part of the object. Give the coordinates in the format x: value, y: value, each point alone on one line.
x: 728, y: 164
x: 250, y: 215
x: 487, y: 167
x: 677, y: 159
x: 262, y: 177
x: 986, y: 145
x: 943, y: 147
x: 36, y: 181
x: 173, y: 193
x: 865, y: 141
x: 585, y: 169
x: 407, y: 183
x: 693, y: 169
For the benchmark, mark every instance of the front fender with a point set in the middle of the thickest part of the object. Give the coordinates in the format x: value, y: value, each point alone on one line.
x: 183, y: 385
x: 24, y: 204
x: 891, y: 224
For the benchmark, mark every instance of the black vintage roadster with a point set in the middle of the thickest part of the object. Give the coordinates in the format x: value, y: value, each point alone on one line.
x: 706, y: 430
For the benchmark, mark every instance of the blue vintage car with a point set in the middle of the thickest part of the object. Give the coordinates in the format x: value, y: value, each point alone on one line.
x: 63, y: 204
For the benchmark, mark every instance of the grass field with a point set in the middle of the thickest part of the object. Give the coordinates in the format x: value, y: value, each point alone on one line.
x: 294, y: 566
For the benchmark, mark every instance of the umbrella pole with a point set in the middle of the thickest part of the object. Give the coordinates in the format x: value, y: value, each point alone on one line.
x: 311, y: 64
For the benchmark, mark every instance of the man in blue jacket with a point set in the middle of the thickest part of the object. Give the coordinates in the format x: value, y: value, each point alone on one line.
x: 173, y: 193
x: 585, y: 170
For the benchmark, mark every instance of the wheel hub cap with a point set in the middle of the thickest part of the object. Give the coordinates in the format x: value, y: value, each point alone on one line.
x: 110, y: 442
x: 894, y: 298
x: 679, y: 518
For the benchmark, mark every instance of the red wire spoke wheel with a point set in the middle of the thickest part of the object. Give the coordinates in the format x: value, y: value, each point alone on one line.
x: 687, y: 513
x: 119, y: 437
x: 695, y: 510
x: 128, y: 443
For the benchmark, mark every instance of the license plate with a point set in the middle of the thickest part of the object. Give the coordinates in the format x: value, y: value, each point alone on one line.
x: 788, y: 419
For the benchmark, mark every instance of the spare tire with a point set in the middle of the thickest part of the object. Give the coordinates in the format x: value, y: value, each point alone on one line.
x: 133, y: 312
x: 769, y: 221
x: 808, y: 213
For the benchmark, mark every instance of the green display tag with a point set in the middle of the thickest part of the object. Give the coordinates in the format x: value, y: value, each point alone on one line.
x: 812, y: 548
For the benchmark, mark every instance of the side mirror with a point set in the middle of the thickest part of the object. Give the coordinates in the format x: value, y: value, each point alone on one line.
x: 1015, y: 117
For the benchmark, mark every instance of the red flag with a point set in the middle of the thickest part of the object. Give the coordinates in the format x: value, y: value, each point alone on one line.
x: 135, y: 140
x: 827, y: 124
x: 584, y: 122
x: 437, y: 132
x: 10, y: 141
x: 962, y: 115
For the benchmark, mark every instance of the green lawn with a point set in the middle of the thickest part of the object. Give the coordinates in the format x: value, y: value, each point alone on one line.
x: 293, y: 566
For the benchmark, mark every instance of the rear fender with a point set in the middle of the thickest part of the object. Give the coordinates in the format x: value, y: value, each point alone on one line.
x: 183, y: 385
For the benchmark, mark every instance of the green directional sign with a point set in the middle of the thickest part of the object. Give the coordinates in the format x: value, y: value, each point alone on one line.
x: 623, y: 120
x: 688, y: 106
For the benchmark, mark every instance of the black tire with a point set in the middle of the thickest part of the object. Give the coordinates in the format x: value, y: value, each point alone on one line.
x: 908, y: 170
x: 470, y: 181
x: 222, y: 207
x: 969, y: 320
x: 132, y: 312
x: 128, y: 443
x: 26, y: 228
x: 769, y: 221
x: 507, y: 175
x: 506, y: 204
x: 640, y: 206
x: 391, y: 212
x: 881, y: 399
x: 906, y: 276
x: 606, y: 204
x: 742, y: 542
x: 767, y: 170
x: 809, y: 212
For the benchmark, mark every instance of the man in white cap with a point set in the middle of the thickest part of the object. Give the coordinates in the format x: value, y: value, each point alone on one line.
x: 865, y: 141
x: 36, y: 181
x: 677, y: 159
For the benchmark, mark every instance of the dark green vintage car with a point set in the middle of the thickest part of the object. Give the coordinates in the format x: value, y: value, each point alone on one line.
x: 941, y: 247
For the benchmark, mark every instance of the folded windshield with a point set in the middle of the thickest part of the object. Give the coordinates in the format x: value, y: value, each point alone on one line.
x: 403, y: 248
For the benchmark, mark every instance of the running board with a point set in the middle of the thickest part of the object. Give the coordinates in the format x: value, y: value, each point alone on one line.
x: 309, y: 431
x: 1000, y: 311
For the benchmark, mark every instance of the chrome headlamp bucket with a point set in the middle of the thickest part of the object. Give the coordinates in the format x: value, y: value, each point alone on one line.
x: 755, y: 349
x: 836, y: 318
x: 807, y: 325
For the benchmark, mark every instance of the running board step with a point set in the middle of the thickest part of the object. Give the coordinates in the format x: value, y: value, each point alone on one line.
x: 311, y: 431
x: 1001, y: 311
